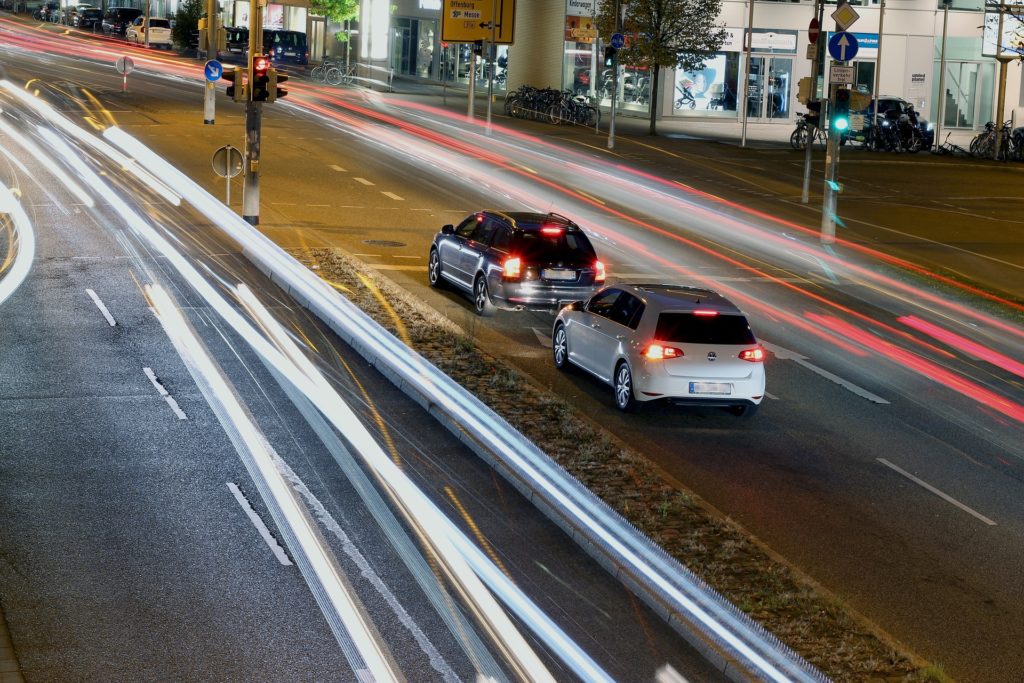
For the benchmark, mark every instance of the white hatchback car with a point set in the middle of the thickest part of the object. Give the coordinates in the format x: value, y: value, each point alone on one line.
x: 670, y: 343
x: 159, y: 32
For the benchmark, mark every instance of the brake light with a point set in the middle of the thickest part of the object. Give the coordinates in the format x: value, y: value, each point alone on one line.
x: 753, y: 355
x: 660, y: 352
x: 551, y: 231
x: 705, y: 312
x: 598, y: 271
x: 512, y: 268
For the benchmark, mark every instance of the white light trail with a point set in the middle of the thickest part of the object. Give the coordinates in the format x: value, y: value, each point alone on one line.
x: 24, y: 243
x: 48, y: 163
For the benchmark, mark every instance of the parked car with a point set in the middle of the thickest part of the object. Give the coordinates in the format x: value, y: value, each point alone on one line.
x: 683, y: 345
x: 236, y: 43
x: 159, y: 31
x: 68, y: 14
x: 286, y: 46
x: 89, y: 19
x: 116, y: 20
x: 516, y: 261
x: 892, y: 108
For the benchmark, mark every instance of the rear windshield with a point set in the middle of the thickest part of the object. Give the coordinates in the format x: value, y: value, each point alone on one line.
x: 238, y: 35
x: 290, y: 39
x: 567, y: 247
x: 92, y: 13
x: 703, y: 329
x: 159, y: 23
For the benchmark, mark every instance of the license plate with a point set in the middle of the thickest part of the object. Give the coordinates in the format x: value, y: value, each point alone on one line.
x: 289, y: 54
x: 715, y: 388
x: 558, y: 274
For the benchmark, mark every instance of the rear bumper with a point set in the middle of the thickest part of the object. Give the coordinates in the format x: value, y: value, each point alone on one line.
x: 541, y: 297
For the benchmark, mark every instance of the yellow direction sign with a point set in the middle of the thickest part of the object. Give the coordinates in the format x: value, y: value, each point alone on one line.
x: 463, y: 21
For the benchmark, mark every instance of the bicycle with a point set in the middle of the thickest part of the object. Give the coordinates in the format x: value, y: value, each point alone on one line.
x: 803, y: 133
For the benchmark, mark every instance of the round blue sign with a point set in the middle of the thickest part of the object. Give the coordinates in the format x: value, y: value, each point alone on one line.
x: 618, y: 40
x: 214, y: 70
x: 843, y: 46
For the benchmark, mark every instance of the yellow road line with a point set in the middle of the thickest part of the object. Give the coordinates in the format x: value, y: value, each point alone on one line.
x: 476, y: 530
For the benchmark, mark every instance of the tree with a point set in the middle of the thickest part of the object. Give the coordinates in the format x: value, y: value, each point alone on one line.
x: 335, y: 10
x: 663, y: 33
x: 186, y: 22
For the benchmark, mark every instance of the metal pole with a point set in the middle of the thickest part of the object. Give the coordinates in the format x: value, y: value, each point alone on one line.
x: 828, y: 206
x: 748, y: 44
x: 615, y: 80
x: 472, y: 86
x: 145, y: 23
x: 878, y: 63
x: 805, y: 194
x: 253, y: 122
x: 942, y: 77
x: 210, y: 95
x: 491, y: 56
x: 1001, y: 103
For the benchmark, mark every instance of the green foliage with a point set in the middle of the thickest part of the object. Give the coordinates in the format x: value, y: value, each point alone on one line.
x: 186, y: 21
x: 663, y: 33
x: 335, y: 10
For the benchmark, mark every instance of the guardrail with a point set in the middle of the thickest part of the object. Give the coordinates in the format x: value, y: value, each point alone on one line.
x: 738, y: 646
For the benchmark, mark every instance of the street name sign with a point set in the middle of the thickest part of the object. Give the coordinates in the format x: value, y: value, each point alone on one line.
x: 843, y: 46
x: 466, y: 21
x: 840, y: 74
x: 213, y: 70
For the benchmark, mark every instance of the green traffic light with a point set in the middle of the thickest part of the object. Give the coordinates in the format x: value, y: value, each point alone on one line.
x: 841, y: 124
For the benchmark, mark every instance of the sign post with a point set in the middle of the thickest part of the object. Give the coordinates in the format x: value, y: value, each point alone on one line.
x: 227, y: 163
x: 842, y: 46
x: 124, y: 66
x: 813, y: 31
x: 213, y: 70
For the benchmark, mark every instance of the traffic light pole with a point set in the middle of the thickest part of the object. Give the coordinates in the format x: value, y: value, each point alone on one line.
x: 253, y: 121
x: 830, y: 195
x: 805, y: 195
x: 210, y: 96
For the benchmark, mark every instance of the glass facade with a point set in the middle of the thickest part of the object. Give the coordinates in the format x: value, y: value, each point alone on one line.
x: 710, y: 91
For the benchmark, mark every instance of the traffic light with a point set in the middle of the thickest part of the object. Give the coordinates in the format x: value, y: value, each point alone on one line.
x: 478, y: 47
x: 239, y: 89
x: 259, y: 80
x: 274, y: 79
x: 813, y: 115
x: 609, y: 56
x: 841, y: 110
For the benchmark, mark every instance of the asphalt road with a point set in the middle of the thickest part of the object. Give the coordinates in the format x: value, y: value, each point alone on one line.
x: 131, y: 547
x: 886, y: 463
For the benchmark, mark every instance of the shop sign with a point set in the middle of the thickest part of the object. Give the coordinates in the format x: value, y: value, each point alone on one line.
x: 733, y: 40
x: 580, y: 8
x: 776, y: 42
x: 465, y: 21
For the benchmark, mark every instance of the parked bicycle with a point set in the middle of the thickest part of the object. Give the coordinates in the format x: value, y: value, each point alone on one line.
x: 333, y: 72
x: 553, y: 106
x: 1011, y: 148
x: 804, y: 131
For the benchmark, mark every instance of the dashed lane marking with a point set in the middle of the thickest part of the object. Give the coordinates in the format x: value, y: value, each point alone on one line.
x: 364, y: 181
x: 163, y: 392
x: 257, y: 522
x: 339, y: 169
x: 393, y: 196
x: 944, y: 496
x: 396, y: 266
x: 103, y: 309
x: 543, y: 336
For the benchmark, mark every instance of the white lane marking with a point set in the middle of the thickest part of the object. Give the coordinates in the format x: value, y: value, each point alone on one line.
x: 668, y: 674
x: 785, y: 354
x: 103, y: 309
x: 364, y: 181
x: 413, y: 257
x: 949, y: 499
x: 636, y: 276
x: 771, y: 396
x: 337, y: 168
x: 393, y: 196
x: 257, y: 522
x: 163, y: 392
x: 543, y: 336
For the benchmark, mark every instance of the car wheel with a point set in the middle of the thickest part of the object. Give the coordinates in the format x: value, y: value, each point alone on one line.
x: 624, y: 399
x: 560, y: 348
x: 434, y: 269
x: 482, y: 298
x: 745, y: 411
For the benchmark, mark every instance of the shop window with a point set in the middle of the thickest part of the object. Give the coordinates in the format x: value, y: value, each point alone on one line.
x: 968, y: 96
x: 709, y: 91
x: 964, y: 5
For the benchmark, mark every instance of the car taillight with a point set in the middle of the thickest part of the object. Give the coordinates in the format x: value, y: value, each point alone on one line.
x: 551, y: 231
x: 661, y: 352
x: 512, y: 268
x: 598, y: 271
x: 705, y: 312
x: 753, y: 355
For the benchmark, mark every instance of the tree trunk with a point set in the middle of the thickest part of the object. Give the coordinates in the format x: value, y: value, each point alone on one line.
x: 653, y: 103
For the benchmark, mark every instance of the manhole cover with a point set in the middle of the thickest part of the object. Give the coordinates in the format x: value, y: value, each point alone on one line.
x: 384, y: 243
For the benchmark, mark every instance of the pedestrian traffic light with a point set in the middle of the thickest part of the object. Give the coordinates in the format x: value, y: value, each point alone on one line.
x: 274, y: 80
x: 478, y: 47
x: 841, y: 110
x: 239, y: 89
x: 609, y: 56
x: 259, y: 81
x: 813, y: 115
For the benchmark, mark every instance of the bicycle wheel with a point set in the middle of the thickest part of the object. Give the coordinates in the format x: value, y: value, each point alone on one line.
x: 555, y: 114
x: 334, y: 76
x: 318, y: 73
x: 799, y: 138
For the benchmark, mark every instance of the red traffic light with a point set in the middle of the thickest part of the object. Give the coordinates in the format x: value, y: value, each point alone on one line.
x: 260, y: 64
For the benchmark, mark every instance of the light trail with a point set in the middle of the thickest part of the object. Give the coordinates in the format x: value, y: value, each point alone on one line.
x: 965, y: 345
x: 23, y: 244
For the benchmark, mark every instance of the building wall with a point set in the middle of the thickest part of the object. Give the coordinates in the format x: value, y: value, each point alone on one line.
x: 536, y: 56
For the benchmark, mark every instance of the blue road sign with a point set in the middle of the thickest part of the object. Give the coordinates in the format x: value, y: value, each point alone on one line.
x: 214, y: 70
x: 843, y: 46
x: 618, y: 40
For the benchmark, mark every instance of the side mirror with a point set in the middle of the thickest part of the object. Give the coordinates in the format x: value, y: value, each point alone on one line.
x: 447, y: 229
